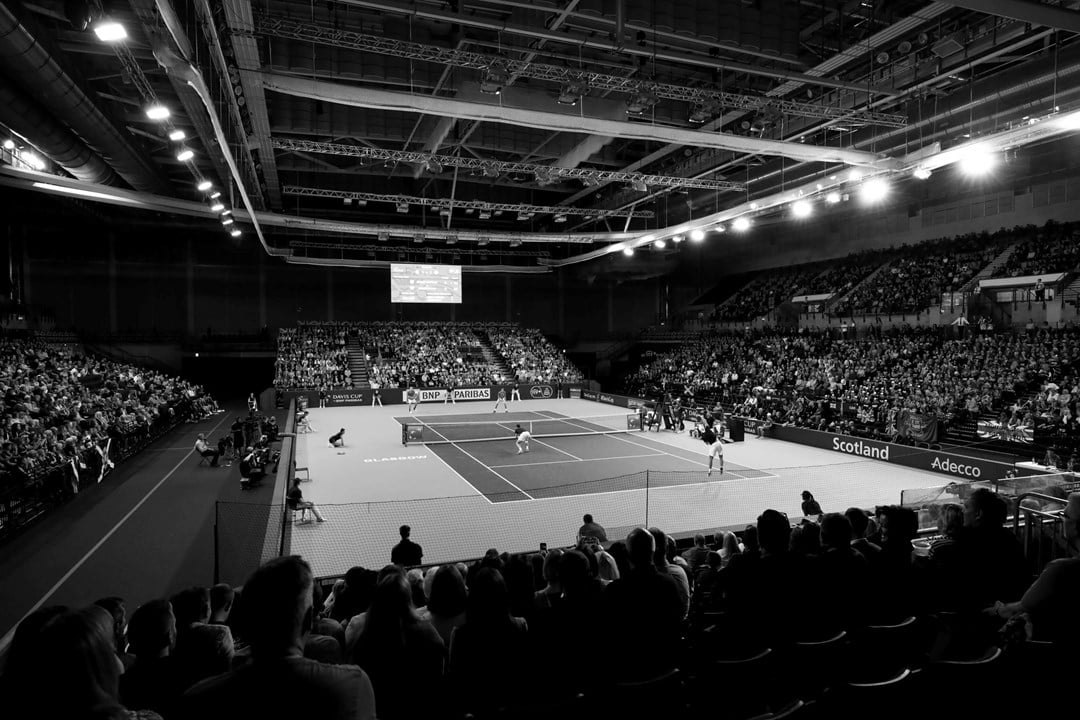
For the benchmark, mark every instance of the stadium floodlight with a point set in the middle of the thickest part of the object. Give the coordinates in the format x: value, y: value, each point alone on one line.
x: 1068, y: 121
x: 157, y: 111
x: 697, y: 235
x: 660, y: 244
x: 109, y: 30
x: 754, y: 206
x: 9, y: 144
x: 832, y: 198
x: 719, y: 229
x: 33, y: 160
x: 177, y: 135
x: 741, y: 224
x: 854, y: 176
x: 628, y: 251
x: 184, y: 155
x: 204, y: 186
x: 921, y: 173
x: 801, y: 209
x: 560, y: 218
x: 215, y: 195
x: 645, y: 239
x: 235, y: 232
x: 218, y: 207
x: 978, y: 161
x: 227, y: 221
x: 677, y: 239
x: 874, y: 190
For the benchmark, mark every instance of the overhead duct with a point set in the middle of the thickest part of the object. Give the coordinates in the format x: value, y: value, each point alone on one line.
x: 27, y: 61
x: 564, y: 122
x: 54, y: 141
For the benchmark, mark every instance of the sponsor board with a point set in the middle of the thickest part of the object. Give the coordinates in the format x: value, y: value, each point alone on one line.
x: 395, y: 458
x: 610, y: 399
x: 347, y: 397
x: 541, y: 392
x: 937, y: 461
x: 439, y: 394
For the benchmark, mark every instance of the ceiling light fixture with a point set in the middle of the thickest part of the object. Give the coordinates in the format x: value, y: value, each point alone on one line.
x: 204, y: 186
x: 572, y: 92
x: 832, y: 198
x: 33, y: 160
x: 560, y: 218
x: 921, y: 173
x: 157, y: 111
x: 235, y: 232
x: 741, y: 224
x: 215, y: 195
x: 177, y: 135
x: 184, y: 155
x: 660, y: 244
x: 978, y: 161
x: 640, y: 102
x: 676, y: 239
x: 227, y: 221
x: 639, y: 186
x: 874, y: 190
x: 697, y: 235
x: 109, y: 30
x: 801, y: 209
x: 9, y: 144
x: 217, y: 207
x: 628, y: 251
x: 494, y: 79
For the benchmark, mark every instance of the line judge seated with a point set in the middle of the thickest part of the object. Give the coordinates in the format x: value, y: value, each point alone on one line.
x: 338, y: 438
x: 203, y: 448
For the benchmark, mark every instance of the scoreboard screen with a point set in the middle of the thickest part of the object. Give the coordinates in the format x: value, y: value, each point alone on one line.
x: 413, y: 283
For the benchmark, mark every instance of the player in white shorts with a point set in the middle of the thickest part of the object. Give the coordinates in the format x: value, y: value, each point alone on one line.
x: 413, y: 397
x: 500, y: 399
x: 523, y: 438
x: 716, y: 448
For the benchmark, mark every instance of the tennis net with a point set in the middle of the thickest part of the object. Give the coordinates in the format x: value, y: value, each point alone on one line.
x: 414, y: 432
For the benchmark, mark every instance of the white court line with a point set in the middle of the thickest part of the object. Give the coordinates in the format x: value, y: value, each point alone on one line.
x: 562, y: 462
x: 538, y: 442
x: 475, y: 489
x: 530, y: 497
x: 6, y: 640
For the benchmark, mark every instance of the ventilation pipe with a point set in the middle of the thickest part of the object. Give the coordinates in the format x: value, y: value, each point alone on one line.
x: 50, y: 138
x: 41, y: 76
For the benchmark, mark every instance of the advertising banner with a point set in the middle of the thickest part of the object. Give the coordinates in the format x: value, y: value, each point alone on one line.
x: 947, y: 463
x: 610, y: 399
x: 396, y: 396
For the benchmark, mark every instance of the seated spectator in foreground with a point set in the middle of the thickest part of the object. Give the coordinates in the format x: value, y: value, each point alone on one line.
x: 844, y: 575
x: 898, y: 582
x: 279, y: 682
x: 644, y: 613
x: 221, y: 602
x: 115, y: 606
x: 663, y: 557
x: 152, y: 682
x: 21, y: 665
x: 1052, y: 599
x: 202, y: 650
x: 489, y: 659
x: 355, y: 597
x: 697, y: 556
x: 989, y: 561
x: 399, y: 651
x: 77, y: 673
x: 447, y: 598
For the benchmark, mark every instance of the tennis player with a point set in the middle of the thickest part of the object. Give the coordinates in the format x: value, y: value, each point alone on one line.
x: 338, y: 438
x: 716, y: 448
x: 376, y: 394
x: 501, y: 399
x: 515, y: 393
x: 523, y: 438
x: 450, y: 392
x: 413, y: 398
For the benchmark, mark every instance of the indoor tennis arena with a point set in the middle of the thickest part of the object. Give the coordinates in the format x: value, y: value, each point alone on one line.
x: 492, y: 359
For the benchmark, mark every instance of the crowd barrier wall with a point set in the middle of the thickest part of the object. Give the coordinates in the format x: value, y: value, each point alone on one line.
x: 965, y: 467
x: 338, y: 397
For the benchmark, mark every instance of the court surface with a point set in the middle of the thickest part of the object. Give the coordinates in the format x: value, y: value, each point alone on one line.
x: 466, y: 497
x: 555, y: 466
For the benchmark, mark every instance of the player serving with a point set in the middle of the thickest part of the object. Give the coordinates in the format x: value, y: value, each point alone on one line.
x: 523, y: 438
x: 501, y: 400
x: 716, y: 448
x: 413, y: 398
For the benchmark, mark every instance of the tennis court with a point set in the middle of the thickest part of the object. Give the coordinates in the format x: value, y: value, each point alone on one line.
x: 568, y: 455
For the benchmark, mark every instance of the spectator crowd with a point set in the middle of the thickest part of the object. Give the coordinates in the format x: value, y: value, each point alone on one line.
x: 312, y: 355
x: 474, y: 637
x: 62, y: 410
x: 531, y: 357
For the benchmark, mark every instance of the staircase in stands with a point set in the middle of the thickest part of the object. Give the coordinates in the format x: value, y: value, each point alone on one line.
x: 357, y: 363
x: 834, y: 302
x: 991, y: 267
x: 491, y: 355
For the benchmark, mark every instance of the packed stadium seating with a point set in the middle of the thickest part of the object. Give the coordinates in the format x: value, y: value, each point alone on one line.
x: 837, y: 613
x: 924, y: 370
x: 1050, y: 249
x: 315, y: 355
x: 68, y: 416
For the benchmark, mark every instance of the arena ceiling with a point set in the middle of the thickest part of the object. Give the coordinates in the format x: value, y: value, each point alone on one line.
x: 532, y: 133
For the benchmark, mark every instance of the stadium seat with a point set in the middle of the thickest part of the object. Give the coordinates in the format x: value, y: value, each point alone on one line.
x: 811, y: 666
x: 884, y: 650
x: 891, y: 698
x: 658, y: 697
x: 204, y: 460
x: 797, y: 710
x: 943, y: 678
x: 748, y: 685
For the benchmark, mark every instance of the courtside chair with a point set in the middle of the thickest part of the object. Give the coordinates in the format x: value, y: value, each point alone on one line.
x: 968, y: 688
x: 814, y: 665
x: 884, y: 650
